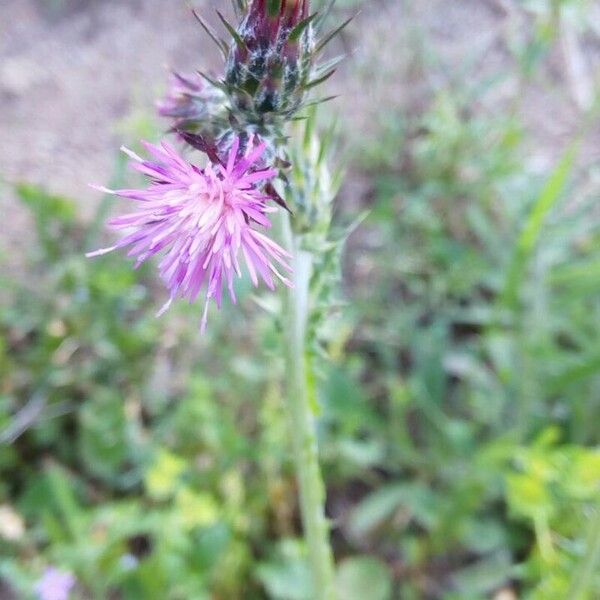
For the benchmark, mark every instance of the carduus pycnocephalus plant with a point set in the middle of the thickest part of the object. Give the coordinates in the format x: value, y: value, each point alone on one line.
x: 201, y: 214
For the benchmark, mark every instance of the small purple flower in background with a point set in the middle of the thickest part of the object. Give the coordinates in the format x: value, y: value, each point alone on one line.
x: 55, y: 585
x: 129, y: 562
x: 203, y: 219
x: 189, y: 100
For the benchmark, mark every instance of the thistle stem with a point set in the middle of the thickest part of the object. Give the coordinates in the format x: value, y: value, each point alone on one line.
x: 302, y: 424
x: 582, y: 580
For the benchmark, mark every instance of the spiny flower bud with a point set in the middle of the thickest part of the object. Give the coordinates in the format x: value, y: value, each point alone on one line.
x: 191, y: 103
x: 271, y: 61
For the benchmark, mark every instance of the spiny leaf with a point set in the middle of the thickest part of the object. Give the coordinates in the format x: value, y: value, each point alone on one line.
x: 272, y: 192
x: 301, y: 27
x: 580, y: 274
x: 234, y: 34
x: 320, y: 101
x: 327, y: 139
x: 309, y: 129
x: 202, y: 144
x: 240, y: 7
x: 222, y: 45
x: 329, y: 64
x: 239, y: 91
x: 315, y: 82
x: 333, y: 34
x: 325, y: 12
x: 214, y: 82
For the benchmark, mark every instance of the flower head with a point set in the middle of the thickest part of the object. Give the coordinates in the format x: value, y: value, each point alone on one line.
x: 204, y: 220
x: 55, y: 585
x: 270, y: 63
x: 190, y: 101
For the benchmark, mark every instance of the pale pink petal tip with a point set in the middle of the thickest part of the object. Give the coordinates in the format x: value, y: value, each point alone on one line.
x: 101, y: 252
x: 101, y: 188
x: 131, y: 154
x: 166, y: 306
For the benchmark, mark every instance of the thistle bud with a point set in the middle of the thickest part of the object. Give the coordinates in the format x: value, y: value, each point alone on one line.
x: 190, y: 102
x: 271, y: 61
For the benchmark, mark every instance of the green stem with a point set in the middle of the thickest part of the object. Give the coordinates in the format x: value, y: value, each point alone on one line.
x: 582, y: 581
x: 302, y: 424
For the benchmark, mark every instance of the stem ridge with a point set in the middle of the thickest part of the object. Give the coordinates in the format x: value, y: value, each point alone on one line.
x: 303, y: 425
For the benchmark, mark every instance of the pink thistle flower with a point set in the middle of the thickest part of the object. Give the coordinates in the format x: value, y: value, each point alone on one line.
x: 203, y: 219
x: 55, y: 585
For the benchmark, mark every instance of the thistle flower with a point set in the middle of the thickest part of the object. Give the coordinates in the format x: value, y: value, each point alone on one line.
x: 270, y: 62
x: 190, y: 101
x: 55, y: 585
x: 203, y: 219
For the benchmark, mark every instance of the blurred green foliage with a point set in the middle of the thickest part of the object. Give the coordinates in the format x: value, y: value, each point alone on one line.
x: 129, y: 466
x: 471, y: 342
x: 459, y: 463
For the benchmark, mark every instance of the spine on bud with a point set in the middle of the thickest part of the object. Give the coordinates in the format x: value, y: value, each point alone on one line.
x: 271, y: 61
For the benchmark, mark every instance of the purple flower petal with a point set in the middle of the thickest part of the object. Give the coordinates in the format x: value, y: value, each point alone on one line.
x: 203, y: 220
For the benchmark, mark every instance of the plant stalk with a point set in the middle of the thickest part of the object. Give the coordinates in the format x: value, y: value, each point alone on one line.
x: 302, y: 423
x: 583, y: 578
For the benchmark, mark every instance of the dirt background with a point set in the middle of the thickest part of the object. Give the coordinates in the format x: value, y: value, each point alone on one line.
x: 75, y: 73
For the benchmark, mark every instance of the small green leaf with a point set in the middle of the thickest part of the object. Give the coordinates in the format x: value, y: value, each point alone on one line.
x: 364, y: 577
x: 417, y: 501
x: 485, y: 576
x: 162, y: 479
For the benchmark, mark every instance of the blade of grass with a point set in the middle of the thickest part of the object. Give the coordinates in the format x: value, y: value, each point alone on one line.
x: 532, y: 230
x: 582, y: 583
